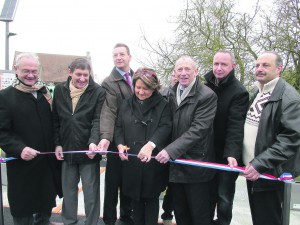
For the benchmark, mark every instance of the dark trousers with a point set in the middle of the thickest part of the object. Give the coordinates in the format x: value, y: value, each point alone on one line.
x: 145, y: 211
x: 265, y: 206
x: 191, y: 203
x: 35, y: 219
x: 222, y: 195
x: 113, y: 184
x: 167, y: 205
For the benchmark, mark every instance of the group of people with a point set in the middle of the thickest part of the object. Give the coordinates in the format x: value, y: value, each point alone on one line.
x: 144, y: 130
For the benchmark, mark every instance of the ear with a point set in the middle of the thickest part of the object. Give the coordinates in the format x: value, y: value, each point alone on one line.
x: 196, y: 72
x: 279, y: 70
x: 69, y: 72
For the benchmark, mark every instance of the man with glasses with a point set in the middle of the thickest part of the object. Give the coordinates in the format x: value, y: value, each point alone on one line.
x: 26, y: 131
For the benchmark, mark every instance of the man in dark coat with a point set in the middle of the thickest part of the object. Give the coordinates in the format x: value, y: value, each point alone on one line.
x: 25, y: 131
x: 76, y: 112
x: 229, y: 122
x: 272, y: 137
x: 118, y: 86
x: 192, y: 136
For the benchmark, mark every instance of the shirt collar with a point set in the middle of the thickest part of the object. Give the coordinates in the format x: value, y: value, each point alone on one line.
x: 268, y: 87
x: 122, y: 72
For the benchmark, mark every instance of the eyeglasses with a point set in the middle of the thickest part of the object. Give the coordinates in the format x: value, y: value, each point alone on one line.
x: 146, y: 72
x: 27, y: 72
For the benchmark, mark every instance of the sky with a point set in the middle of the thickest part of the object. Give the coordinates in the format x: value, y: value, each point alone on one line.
x: 74, y: 27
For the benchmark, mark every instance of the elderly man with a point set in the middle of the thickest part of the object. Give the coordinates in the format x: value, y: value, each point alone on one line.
x: 25, y: 131
x: 194, y: 111
x: 272, y: 136
x: 232, y: 107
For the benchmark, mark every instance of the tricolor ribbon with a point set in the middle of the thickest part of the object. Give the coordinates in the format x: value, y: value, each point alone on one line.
x: 4, y: 160
x: 285, y: 177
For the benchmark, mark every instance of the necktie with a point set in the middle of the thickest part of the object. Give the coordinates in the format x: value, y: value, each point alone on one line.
x: 180, y: 92
x: 128, y: 81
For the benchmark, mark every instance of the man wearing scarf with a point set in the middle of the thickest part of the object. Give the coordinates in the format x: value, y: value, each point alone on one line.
x: 76, y: 112
x: 26, y: 131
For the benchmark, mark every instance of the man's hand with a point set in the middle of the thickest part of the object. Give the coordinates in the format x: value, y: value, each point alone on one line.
x: 59, y: 152
x: 103, y: 145
x: 231, y: 162
x: 163, y: 156
x: 145, y: 153
x: 92, y: 148
x: 122, y: 152
x: 251, y: 173
x: 28, y: 153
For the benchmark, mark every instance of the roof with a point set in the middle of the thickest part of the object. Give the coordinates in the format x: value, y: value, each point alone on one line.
x: 54, y: 67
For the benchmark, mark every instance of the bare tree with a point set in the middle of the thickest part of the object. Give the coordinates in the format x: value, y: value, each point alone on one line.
x: 207, y: 26
x: 282, y: 34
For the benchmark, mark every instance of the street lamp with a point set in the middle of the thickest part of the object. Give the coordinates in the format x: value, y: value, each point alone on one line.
x: 7, y: 15
x: 7, y: 35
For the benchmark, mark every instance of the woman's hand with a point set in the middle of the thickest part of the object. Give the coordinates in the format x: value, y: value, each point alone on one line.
x: 145, y: 153
x: 122, y: 152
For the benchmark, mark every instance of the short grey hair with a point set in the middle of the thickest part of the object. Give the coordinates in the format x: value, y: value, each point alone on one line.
x: 227, y: 52
x: 30, y: 55
x: 186, y: 57
x: 278, y: 59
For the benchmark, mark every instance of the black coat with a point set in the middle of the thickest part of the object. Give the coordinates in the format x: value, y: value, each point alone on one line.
x: 278, y: 136
x: 75, y: 131
x: 26, y: 121
x: 192, y: 134
x: 233, y: 100
x: 135, y: 126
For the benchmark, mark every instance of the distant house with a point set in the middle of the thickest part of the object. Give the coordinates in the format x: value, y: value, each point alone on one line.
x: 54, y: 68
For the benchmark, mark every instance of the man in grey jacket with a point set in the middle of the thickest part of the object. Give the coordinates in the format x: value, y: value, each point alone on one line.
x: 271, y: 137
x: 118, y: 86
x: 192, y: 135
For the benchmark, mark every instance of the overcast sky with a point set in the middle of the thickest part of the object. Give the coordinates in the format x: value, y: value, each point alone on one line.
x: 74, y: 27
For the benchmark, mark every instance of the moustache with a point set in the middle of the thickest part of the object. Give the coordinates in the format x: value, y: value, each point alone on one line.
x: 260, y: 73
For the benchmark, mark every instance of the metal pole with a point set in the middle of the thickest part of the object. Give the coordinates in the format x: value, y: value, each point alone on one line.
x: 7, y: 46
x: 286, y: 204
x: 1, y: 200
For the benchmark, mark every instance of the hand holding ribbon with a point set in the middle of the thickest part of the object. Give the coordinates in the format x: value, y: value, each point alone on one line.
x: 122, y: 152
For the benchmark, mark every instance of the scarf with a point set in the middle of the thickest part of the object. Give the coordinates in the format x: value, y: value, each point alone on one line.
x: 75, y: 94
x: 185, y: 92
x: 38, y: 86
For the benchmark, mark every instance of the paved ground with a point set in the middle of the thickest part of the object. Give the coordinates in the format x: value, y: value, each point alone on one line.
x: 241, y: 211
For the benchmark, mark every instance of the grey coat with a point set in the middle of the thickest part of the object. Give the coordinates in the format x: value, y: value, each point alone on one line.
x: 278, y: 136
x: 192, y: 134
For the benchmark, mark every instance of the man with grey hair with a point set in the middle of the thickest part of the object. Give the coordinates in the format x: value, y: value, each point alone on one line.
x: 25, y: 131
x: 232, y: 107
x: 192, y: 138
x: 271, y: 138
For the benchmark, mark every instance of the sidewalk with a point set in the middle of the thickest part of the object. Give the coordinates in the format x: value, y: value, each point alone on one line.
x: 241, y: 210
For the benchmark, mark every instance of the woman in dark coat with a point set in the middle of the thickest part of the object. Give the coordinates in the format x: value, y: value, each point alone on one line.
x: 143, y: 127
